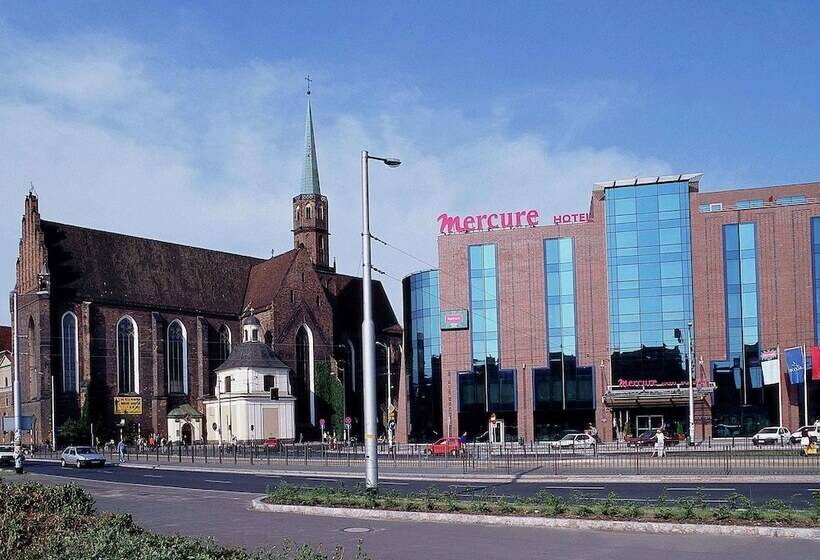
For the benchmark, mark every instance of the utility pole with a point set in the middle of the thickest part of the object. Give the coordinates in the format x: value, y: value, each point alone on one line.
x: 691, y: 389
x: 18, y: 410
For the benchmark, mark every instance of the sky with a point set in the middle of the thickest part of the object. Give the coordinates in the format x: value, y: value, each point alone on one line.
x: 184, y: 121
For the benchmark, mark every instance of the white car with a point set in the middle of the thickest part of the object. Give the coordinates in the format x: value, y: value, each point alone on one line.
x: 798, y: 433
x: 771, y: 436
x: 574, y: 441
x: 81, y: 457
x: 7, y: 455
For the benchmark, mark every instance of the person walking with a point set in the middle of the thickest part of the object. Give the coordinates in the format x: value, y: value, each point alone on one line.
x: 121, y: 449
x: 660, y: 444
x: 805, y: 441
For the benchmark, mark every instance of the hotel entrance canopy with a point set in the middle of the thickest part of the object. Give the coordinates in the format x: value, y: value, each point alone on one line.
x: 676, y: 394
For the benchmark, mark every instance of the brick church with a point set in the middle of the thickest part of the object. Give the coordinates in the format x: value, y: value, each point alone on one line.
x: 105, y: 315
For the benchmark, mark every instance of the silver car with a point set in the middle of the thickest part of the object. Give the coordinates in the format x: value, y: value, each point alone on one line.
x: 81, y: 457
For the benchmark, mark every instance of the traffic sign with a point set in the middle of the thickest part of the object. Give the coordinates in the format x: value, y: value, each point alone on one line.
x: 392, y: 425
x: 348, y: 420
x: 492, y: 418
x: 321, y: 422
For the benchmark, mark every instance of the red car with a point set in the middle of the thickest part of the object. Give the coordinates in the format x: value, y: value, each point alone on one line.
x: 446, y: 446
x: 271, y: 443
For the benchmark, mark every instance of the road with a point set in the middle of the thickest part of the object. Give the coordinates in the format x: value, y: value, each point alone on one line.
x: 797, y: 495
x: 225, y: 516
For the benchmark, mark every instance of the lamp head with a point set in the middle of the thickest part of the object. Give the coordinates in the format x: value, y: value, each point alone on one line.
x: 392, y: 162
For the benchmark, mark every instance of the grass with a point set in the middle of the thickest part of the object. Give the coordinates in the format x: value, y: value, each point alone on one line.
x: 60, y: 523
x: 738, y: 510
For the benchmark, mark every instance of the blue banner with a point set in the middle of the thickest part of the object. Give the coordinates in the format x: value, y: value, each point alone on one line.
x: 794, y: 364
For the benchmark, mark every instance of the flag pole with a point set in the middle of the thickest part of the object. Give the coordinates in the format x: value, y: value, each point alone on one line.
x: 805, y: 388
x: 779, y: 391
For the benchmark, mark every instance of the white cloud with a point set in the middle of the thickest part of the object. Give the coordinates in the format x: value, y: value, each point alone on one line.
x: 116, y: 138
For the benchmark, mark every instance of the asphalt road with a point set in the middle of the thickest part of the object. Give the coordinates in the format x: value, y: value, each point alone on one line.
x: 225, y: 516
x: 797, y: 495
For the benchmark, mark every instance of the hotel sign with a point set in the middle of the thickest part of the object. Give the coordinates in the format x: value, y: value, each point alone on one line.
x: 456, y: 319
x: 578, y: 218
x: 128, y: 405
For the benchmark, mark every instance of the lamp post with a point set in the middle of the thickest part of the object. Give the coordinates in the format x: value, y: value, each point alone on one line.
x: 691, y: 389
x: 368, y: 332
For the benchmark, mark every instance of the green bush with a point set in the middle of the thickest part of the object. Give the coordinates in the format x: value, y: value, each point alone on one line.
x: 60, y: 523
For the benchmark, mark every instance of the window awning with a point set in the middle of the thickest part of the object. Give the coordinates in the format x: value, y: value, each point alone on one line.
x: 677, y: 395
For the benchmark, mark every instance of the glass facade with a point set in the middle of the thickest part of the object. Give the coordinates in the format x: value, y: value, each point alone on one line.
x: 483, y: 304
x: 423, y: 354
x: 815, y: 240
x: 742, y: 404
x: 649, y: 260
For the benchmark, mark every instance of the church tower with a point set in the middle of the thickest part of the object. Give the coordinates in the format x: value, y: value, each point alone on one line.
x: 310, y: 211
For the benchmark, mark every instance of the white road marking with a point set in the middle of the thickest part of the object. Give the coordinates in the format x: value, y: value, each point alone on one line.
x: 699, y: 489
x: 394, y: 483
x: 219, y: 481
x: 152, y: 476
x: 573, y: 487
x: 322, y: 479
x: 108, y: 472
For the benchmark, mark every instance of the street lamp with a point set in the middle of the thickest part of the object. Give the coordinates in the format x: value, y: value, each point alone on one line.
x: 691, y: 390
x: 368, y: 332
x: 18, y: 411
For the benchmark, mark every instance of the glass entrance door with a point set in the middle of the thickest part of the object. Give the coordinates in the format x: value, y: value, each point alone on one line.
x: 644, y: 422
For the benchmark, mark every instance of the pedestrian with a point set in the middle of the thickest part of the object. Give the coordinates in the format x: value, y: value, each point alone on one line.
x: 660, y: 442
x: 121, y: 448
x: 463, y: 438
x: 805, y: 441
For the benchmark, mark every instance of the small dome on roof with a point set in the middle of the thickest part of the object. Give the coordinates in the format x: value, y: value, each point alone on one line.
x: 250, y: 320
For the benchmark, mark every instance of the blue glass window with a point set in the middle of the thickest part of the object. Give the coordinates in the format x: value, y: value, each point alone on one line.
x: 483, y: 303
x: 815, y: 236
x: 789, y: 200
x: 650, y: 279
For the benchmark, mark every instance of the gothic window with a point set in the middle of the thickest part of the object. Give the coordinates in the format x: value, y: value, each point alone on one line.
x: 301, y: 381
x: 321, y: 242
x: 321, y: 213
x: 269, y: 338
x: 127, y: 356
x: 298, y: 213
x: 177, y: 358
x: 69, y: 344
x: 307, y: 212
x: 34, y: 374
x: 224, y: 343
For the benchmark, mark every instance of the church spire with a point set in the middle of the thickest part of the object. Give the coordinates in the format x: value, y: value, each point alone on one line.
x: 310, y: 169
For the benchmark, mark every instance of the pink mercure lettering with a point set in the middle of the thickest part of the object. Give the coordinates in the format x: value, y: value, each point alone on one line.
x: 469, y: 223
x: 508, y: 222
x: 450, y: 224
x: 481, y: 219
x: 518, y: 217
x: 532, y: 218
x: 490, y: 221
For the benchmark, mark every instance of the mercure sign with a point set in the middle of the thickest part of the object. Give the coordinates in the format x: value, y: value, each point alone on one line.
x: 465, y: 224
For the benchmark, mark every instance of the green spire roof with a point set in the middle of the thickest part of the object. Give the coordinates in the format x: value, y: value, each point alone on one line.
x: 310, y: 169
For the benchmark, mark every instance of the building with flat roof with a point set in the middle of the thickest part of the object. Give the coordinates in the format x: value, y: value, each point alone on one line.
x: 586, y: 321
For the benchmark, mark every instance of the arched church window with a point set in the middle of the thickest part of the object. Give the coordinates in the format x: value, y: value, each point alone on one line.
x: 127, y: 355
x: 224, y: 343
x: 298, y: 213
x: 307, y: 212
x: 33, y: 372
x: 177, y: 358
x: 69, y: 347
x: 269, y: 338
x: 301, y: 381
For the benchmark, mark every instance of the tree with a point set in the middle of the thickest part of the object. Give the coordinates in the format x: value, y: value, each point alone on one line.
x: 331, y: 396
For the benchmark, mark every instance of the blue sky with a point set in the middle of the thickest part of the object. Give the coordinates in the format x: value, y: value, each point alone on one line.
x: 183, y: 121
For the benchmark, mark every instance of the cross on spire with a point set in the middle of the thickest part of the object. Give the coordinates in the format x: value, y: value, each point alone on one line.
x: 308, y: 80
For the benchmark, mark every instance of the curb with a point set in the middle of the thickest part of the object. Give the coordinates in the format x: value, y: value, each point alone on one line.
x: 543, y: 522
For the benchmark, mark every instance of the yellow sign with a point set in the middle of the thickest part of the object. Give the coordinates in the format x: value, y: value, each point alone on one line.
x: 128, y: 405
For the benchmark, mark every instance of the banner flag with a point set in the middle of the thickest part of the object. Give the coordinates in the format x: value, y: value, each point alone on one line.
x: 770, y: 362
x: 815, y: 363
x: 756, y: 377
x: 794, y: 364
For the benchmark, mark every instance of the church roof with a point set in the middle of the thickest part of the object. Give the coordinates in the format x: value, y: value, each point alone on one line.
x: 252, y: 355
x: 109, y: 267
x: 310, y: 169
x: 349, y: 304
x: 266, y: 278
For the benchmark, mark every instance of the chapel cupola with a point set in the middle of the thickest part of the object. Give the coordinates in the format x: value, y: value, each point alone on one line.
x: 250, y: 329
x: 310, y: 210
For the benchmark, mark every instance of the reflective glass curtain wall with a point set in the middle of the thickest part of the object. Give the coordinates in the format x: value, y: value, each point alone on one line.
x: 423, y: 356
x: 483, y: 304
x: 741, y: 400
x: 815, y: 238
x: 649, y: 260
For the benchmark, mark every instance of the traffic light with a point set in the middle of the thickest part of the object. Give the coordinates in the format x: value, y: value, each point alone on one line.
x: 274, y: 393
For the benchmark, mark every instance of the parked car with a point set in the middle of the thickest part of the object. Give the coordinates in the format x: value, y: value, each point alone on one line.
x: 771, y: 435
x: 271, y: 443
x: 7, y: 455
x: 445, y: 446
x: 574, y: 441
x: 81, y: 457
x: 649, y: 437
x: 797, y: 434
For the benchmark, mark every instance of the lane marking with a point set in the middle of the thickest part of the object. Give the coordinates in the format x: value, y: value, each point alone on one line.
x: 108, y: 472
x: 143, y: 485
x: 218, y: 481
x: 574, y: 487
x: 701, y: 489
x: 395, y: 483
x: 321, y: 479
x: 152, y: 476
